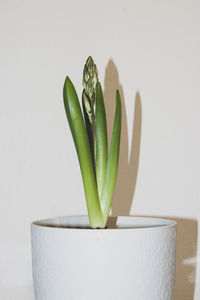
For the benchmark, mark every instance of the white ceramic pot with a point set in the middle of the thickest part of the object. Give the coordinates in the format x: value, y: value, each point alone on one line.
x: 133, y: 259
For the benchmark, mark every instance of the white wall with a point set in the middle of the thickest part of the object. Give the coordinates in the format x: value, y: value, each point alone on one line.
x: 150, y: 49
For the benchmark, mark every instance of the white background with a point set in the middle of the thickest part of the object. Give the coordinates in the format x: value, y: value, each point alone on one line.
x: 151, y: 51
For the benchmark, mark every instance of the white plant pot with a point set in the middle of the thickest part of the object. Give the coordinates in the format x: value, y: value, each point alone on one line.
x: 134, y: 260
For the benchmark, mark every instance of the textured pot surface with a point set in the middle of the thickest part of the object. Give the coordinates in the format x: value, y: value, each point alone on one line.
x: 133, y: 259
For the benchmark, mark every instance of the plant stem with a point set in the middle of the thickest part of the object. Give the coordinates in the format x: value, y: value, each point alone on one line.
x: 88, y: 126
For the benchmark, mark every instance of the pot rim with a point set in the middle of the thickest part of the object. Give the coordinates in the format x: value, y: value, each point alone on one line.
x: 126, y: 223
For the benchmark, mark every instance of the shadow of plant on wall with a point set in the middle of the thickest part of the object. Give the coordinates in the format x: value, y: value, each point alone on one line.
x: 128, y: 167
x: 126, y: 183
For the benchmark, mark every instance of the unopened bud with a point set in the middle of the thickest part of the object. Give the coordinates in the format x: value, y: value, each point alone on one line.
x: 90, y: 78
x: 87, y: 106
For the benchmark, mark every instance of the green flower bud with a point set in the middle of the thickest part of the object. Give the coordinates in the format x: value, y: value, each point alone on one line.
x: 90, y: 78
x: 87, y: 106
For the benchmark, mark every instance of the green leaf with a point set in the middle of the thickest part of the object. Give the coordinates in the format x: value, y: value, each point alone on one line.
x: 112, y: 163
x: 101, y: 139
x: 79, y: 133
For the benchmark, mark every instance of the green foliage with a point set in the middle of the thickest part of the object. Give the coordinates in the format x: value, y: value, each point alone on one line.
x: 98, y: 168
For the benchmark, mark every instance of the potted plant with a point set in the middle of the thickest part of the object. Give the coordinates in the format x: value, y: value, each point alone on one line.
x: 98, y: 257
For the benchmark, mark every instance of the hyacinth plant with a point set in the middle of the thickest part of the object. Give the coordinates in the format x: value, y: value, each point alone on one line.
x: 89, y: 131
